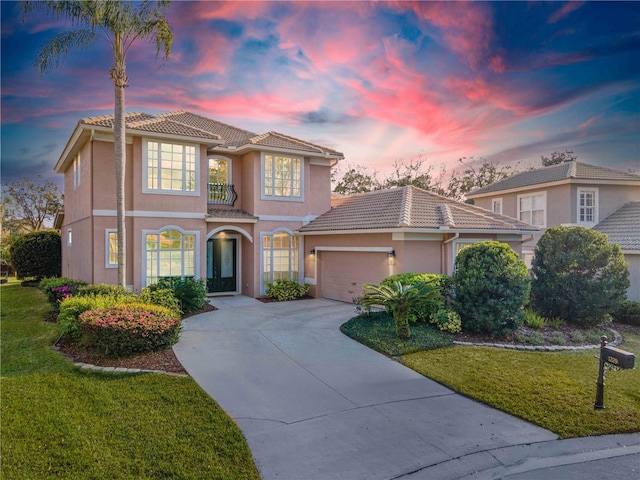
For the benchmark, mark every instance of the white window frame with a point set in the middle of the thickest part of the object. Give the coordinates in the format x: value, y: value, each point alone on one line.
x: 595, y: 206
x: 544, y: 207
x: 229, y: 164
x: 196, y: 250
x: 264, y: 252
x: 496, y: 202
x: 107, y: 248
x: 145, y: 169
x: 69, y: 237
x: 270, y: 157
x: 77, y: 176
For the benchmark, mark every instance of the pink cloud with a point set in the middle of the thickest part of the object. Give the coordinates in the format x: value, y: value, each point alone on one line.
x: 565, y: 10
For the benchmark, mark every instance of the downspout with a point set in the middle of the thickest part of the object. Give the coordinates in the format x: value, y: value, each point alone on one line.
x: 442, y: 257
x: 93, y: 232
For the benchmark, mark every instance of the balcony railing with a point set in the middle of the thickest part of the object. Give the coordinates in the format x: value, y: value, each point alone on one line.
x: 221, y: 194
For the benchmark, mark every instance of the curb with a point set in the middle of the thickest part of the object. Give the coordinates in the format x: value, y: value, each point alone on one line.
x: 88, y: 366
x: 543, y: 348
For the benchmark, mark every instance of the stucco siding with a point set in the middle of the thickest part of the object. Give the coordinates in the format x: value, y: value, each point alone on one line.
x: 633, y: 261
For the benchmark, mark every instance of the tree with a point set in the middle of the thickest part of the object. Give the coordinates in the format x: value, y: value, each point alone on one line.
x: 411, y: 173
x: 121, y: 24
x: 27, y: 204
x: 578, y: 275
x: 558, y: 158
x: 399, y: 300
x: 356, y: 180
x: 37, y: 254
x: 472, y: 177
x: 491, y: 287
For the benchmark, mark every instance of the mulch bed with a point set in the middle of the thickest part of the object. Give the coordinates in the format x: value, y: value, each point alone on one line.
x: 164, y: 360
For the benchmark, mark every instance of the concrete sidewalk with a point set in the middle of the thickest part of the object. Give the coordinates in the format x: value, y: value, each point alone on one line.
x: 314, y: 404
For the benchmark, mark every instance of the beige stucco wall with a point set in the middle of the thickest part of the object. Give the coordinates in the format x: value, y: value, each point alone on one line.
x: 633, y: 261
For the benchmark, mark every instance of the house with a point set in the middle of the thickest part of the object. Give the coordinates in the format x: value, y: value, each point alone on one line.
x: 573, y: 193
x: 241, y: 210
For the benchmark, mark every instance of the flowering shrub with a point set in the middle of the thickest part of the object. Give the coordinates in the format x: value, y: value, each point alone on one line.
x: 72, y: 307
x: 129, y: 329
x: 59, y: 288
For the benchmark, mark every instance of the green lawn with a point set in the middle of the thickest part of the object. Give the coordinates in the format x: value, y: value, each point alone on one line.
x: 62, y: 422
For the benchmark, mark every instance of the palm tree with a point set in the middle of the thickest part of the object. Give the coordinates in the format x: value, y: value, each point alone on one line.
x: 121, y: 24
x: 399, y: 300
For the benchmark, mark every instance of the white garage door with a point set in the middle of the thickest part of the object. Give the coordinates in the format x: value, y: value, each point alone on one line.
x: 342, y: 274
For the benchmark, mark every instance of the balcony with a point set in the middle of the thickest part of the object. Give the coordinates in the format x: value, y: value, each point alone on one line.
x: 221, y: 194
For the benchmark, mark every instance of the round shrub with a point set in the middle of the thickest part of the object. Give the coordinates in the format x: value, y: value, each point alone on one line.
x: 37, y: 254
x: 72, y: 307
x: 285, y: 290
x: 578, y: 275
x: 446, y: 321
x: 129, y: 329
x: 491, y: 287
x: 428, y: 308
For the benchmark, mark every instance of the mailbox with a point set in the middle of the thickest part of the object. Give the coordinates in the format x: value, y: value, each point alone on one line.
x: 618, y: 357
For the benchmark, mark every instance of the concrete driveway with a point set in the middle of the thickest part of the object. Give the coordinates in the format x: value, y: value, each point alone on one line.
x: 314, y: 404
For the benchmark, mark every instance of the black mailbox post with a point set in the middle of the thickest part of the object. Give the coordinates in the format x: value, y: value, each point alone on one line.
x: 614, y: 356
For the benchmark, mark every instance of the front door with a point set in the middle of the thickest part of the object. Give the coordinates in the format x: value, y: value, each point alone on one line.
x: 221, y: 265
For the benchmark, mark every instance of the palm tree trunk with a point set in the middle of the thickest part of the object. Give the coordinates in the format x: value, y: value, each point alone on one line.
x: 401, y: 317
x: 120, y: 80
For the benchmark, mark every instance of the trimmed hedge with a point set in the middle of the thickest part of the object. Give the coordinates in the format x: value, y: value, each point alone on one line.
x: 37, y: 254
x: 129, y: 329
x: 57, y: 289
x: 628, y: 312
x: 191, y: 293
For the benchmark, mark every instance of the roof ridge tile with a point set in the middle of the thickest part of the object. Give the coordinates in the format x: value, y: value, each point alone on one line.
x: 405, y: 207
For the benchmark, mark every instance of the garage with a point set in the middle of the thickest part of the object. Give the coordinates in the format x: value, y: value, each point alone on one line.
x: 342, y: 273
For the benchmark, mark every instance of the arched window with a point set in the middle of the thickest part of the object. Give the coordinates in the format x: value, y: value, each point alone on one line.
x: 280, y: 257
x: 169, y: 253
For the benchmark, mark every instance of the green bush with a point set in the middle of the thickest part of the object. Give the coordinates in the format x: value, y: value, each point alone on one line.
x: 116, y: 291
x: 72, y: 307
x: 446, y: 321
x: 491, y: 287
x: 285, y: 290
x: 191, y: 293
x: 129, y: 329
x: 425, y: 310
x: 58, y: 288
x: 578, y: 275
x: 628, y: 312
x: 160, y: 296
x: 37, y: 255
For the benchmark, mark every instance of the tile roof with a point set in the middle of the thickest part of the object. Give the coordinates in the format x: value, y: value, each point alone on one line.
x: 189, y: 124
x: 623, y: 226
x: 554, y: 173
x: 406, y: 208
x: 229, y: 213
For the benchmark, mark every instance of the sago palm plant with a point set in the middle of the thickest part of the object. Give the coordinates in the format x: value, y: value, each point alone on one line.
x: 399, y: 300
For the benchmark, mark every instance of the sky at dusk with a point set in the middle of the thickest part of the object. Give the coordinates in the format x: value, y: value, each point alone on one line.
x: 380, y: 82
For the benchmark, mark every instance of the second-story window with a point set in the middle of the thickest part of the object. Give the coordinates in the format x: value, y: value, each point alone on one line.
x: 170, y: 167
x: 282, y: 177
x: 532, y: 209
x: 496, y: 205
x: 588, y: 206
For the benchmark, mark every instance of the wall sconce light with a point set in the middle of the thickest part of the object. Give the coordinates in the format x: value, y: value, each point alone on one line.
x: 312, y: 251
x: 391, y: 257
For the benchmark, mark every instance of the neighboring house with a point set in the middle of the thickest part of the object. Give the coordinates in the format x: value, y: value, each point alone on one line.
x: 368, y: 236
x: 571, y: 193
x: 241, y: 210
